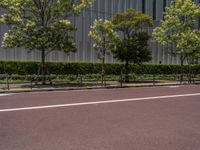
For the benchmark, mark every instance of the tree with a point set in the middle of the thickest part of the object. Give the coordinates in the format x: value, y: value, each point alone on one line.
x: 41, y: 25
x: 179, y: 28
x: 103, y: 35
x: 189, y: 43
x: 133, y: 44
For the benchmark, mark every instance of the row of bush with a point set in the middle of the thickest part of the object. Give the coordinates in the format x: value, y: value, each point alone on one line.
x: 64, y: 68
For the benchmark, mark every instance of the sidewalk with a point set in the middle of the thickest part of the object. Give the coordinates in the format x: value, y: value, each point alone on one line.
x: 26, y: 87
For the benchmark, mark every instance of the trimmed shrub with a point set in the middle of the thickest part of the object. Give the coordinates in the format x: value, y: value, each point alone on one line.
x: 64, y: 68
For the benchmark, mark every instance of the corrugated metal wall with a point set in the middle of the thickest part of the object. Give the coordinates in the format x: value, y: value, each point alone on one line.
x: 101, y: 9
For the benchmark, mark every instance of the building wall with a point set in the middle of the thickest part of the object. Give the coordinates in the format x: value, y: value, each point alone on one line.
x: 104, y: 9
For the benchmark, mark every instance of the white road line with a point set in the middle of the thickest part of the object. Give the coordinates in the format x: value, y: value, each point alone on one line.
x: 173, y: 86
x: 5, y: 94
x: 98, y: 102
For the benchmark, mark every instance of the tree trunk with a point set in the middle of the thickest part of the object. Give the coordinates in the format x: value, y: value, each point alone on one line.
x: 181, y: 72
x: 103, y: 62
x: 190, y: 70
x: 197, y: 61
x: 103, y: 72
x: 127, y: 61
x: 43, y: 67
x: 126, y: 71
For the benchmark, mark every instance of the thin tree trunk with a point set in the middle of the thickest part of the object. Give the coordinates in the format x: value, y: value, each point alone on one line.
x: 181, y: 72
x: 127, y: 61
x: 103, y: 72
x: 103, y: 63
x: 190, y: 70
x: 126, y: 71
x: 43, y: 67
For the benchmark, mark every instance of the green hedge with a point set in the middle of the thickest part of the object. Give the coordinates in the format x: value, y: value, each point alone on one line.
x: 62, y: 68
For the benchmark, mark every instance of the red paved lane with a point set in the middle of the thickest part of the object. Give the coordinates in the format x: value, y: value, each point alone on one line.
x: 53, y: 98
x: 165, y: 124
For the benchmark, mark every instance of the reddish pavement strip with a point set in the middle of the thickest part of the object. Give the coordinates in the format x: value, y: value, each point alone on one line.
x: 159, y: 124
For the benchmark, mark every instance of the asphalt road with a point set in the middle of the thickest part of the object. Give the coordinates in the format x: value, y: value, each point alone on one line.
x: 158, y: 118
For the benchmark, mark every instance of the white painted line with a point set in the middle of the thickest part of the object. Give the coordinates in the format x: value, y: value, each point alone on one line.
x: 5, y: 94
x: 173, y: 86
x: 98, y: 102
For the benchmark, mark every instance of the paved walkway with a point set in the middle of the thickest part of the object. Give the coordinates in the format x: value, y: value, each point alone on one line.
x: 26, y: 87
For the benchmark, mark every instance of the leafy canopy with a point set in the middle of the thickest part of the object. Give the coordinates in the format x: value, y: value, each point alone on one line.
x: 179, y: 27
x: 40, y: 24
x: 103, y: 35
x: 189, y: 43
x: 133, y: 44
x: 131, y: 21
x: 134, y: 49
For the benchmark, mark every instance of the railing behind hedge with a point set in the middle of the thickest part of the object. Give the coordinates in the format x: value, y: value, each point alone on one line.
x: 90, y: 80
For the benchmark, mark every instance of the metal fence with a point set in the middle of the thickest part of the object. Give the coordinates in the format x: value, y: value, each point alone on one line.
x: 32, y: 82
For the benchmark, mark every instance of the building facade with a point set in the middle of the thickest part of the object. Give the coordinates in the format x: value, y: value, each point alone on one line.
x: 104, y: 9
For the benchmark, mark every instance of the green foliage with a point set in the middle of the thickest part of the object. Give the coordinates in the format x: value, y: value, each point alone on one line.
x: 61, y: 68
x: 103, y: 35
x: 18, y: 67
x: 135, y: 49
x: 41, y: 24
x: 179, y: 27
x: 133, y: 44
x: 131, y: 20
x: 189, y: 43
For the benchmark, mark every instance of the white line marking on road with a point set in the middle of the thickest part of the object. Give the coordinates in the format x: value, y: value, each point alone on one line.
x: 5, y: 94
x: 173, y: 86
x: 97, y: 102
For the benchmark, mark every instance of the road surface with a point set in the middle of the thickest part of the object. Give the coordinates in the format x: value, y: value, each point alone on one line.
x: 157, y: 118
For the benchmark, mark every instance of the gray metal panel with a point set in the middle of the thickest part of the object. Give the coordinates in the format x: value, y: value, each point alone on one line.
x: 149, y: 7
x: 139, y: 5
x: 132, y: 4
x: 159, y: 7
